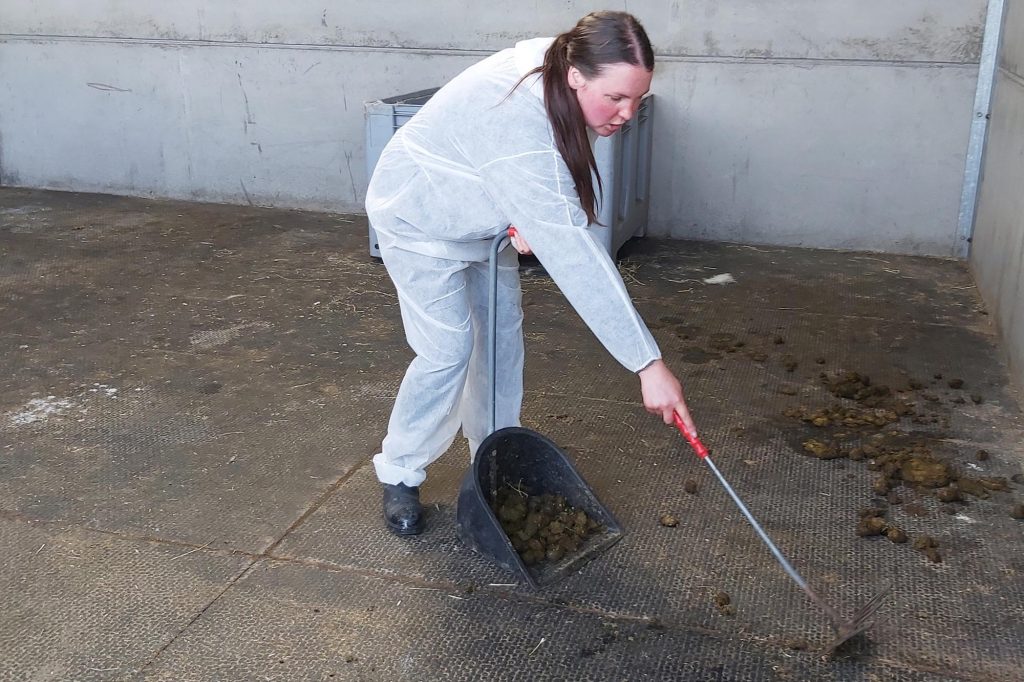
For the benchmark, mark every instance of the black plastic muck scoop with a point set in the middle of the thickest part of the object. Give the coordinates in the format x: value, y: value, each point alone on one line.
x: 530, y: 465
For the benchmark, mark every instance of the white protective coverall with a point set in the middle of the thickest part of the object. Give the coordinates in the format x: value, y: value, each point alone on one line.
x: 472, y: 161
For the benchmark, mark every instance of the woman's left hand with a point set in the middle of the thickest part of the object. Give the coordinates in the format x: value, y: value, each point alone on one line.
x: 518, y: 243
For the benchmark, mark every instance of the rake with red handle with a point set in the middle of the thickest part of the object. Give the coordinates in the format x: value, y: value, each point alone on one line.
x: 844, y: 629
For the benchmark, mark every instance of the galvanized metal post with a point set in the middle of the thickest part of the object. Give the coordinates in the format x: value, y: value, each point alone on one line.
x: 979, y: 127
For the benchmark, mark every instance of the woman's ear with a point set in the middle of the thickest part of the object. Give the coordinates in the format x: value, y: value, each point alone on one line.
x: 575, y: 78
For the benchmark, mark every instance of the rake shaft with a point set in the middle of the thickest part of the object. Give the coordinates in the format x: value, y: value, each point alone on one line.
x: 844, y: 629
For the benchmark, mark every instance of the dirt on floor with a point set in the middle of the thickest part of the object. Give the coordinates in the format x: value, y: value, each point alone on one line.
x: 865, y: 427
x: 207, y: 384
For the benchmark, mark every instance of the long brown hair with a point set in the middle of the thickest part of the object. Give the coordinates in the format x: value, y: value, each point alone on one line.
x: 598, y: 39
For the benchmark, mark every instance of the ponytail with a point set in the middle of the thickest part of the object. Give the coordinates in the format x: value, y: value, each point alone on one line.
x: 569, y: 126
x: 600, y: 38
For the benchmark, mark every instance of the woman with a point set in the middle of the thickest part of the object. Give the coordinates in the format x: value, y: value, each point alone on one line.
x: 506, y: 142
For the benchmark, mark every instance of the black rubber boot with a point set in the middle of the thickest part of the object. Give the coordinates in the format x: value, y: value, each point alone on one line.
x: 402, y: 509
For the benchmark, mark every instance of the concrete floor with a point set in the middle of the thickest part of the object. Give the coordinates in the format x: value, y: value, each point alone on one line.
x: 191, y: 395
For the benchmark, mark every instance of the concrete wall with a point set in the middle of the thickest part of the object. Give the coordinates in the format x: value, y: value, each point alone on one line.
x: 997, y: 253
x: 819, y: 123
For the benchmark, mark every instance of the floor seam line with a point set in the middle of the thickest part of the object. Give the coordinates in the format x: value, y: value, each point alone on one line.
x: 231, y: 583
x: 320, y: 501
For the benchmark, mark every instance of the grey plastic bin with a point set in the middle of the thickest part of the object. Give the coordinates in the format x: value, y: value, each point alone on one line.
x: 623, y: 159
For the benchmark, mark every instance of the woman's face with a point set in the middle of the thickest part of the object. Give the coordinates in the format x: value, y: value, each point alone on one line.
x: 611, y: 98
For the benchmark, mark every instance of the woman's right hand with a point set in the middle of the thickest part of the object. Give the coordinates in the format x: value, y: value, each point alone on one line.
x: 663, y: 394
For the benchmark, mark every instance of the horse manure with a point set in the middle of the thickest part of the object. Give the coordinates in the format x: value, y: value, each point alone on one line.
x: 858, y: 387
x: 822, y: 450
x: 929, y: 547
x: 923, y: 542
x: 871, y: 525
x: 925, y: 471
x: 542, y: 527
x: 723, y: 602
x: 950, y: 493
x: 852, y: 417
x: 690, y: 486
x: 906, y: 468
x: 973, y: 486
x: 896, y: 535
x: 668, y: 521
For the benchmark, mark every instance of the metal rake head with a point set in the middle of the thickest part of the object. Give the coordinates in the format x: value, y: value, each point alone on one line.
x: 861, y: 621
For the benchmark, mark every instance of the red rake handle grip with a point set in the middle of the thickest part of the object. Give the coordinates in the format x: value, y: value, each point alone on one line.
x: 690, y: 436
